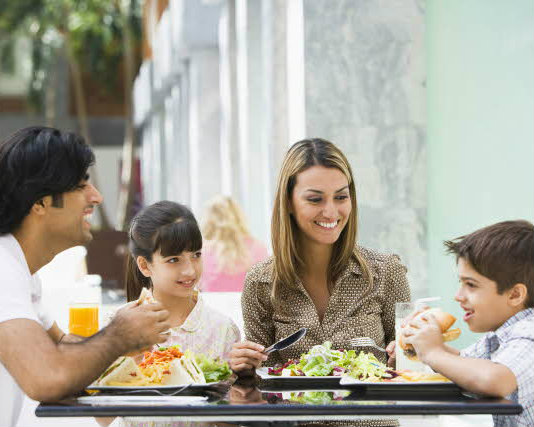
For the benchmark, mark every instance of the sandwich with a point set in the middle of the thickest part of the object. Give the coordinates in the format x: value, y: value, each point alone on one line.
x: 445, y: 321
x: 124, y: 371
x: 145, y: 297
x: 183, y: 370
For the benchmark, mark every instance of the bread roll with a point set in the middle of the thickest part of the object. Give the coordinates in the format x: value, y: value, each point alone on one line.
x: 445, y: 321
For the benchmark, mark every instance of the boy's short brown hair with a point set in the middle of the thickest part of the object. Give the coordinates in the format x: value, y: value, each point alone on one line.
x: 502, y: 252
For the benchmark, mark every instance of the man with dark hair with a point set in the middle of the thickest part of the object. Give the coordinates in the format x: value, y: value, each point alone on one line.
x: 496, y: 271
x: 46, y: 202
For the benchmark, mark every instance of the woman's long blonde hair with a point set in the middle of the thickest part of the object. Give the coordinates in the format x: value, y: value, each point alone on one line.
x: 284, y: 230
x: 225, y: 229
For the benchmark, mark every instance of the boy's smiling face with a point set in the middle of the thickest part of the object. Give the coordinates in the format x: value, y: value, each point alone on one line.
x: 485, y: 309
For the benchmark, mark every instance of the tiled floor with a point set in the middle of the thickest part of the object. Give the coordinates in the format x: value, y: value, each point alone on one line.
x: 28, y: 419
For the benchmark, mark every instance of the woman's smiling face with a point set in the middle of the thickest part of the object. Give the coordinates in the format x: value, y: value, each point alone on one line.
x: 174, y: 275
x: 321, y: 204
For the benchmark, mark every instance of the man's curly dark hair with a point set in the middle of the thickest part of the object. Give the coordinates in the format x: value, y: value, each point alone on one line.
x: 36, y: 162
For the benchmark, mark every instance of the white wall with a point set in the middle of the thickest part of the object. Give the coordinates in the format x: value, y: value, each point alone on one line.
x: 107, y: 167
x: 480, y: 125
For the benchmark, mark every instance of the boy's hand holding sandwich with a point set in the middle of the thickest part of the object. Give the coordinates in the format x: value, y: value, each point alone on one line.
x: 424, y: 334
x: 426, y: 331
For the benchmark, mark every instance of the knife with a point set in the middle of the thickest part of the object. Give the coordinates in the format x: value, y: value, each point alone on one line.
x: 286, y: 342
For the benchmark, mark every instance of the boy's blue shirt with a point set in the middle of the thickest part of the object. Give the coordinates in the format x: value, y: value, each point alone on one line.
x: 512, y: 345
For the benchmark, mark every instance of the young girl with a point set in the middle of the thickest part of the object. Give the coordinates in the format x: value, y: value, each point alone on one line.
x: 165, y: 256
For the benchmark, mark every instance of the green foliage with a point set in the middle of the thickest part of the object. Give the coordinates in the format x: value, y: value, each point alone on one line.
x: 96, y: 31
x: 7, y: 57
x: 93, y: 30
x: 15, y: 14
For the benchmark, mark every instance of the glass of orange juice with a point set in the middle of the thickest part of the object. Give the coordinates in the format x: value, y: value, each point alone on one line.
x: 83, y: 319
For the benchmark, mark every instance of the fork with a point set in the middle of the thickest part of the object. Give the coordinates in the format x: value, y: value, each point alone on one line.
x: 159, y: 393
x: 365, y: 342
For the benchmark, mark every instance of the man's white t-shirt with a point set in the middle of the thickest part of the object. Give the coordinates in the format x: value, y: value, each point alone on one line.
x: 21, y: 299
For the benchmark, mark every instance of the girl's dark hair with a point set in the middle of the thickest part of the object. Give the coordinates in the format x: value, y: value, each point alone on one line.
x: 36, y: 162
x: 166, y: 226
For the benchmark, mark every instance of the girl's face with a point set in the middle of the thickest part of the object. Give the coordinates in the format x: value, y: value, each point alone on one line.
x: 321, y: 204
x: 174, y: 275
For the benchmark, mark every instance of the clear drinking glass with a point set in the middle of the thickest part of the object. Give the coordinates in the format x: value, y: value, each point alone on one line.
x: 83, y: 318
x: 402, y: 310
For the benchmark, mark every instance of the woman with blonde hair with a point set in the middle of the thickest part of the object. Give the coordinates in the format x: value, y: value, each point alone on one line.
x: 229, y: 250
x: 318, y: 277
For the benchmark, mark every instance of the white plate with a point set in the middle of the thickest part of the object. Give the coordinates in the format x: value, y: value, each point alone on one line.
x: 353, y: 381
x: 263, y: 373
x: 348, y: 381
x: 165, y: 388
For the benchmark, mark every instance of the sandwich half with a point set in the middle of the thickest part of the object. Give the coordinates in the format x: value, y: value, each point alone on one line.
x: 183, y: 371
x: 445, y: 321
x: 145, y: 297
x: 124, y: 371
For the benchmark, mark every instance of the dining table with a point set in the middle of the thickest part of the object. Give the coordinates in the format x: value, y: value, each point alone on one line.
x: 258, y: 402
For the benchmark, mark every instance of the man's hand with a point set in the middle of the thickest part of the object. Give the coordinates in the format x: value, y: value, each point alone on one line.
x: 50, y: 371
x: 425, y: 336
x: 60, y: 337
x: 246, y: 356
x: 138, y: 327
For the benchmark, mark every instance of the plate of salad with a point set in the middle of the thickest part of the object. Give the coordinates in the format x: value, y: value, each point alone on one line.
x: 325, y: 364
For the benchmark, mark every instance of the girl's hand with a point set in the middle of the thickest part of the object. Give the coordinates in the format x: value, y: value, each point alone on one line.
x: 246, y: 356
x: 243, y: 395
x: 390, y: 349
x: 425, y: 336
x: 71, y: 339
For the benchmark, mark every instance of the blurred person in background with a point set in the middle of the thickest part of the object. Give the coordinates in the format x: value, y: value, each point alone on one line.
x: 229, y: 249
x: 46, y: 202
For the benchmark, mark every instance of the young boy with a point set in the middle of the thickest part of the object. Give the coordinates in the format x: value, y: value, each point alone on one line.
x: 496, y: 271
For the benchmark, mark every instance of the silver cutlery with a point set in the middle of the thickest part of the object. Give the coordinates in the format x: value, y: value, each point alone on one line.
x: 286, y: 342
x: 158, y: 392
x: 365, y: 342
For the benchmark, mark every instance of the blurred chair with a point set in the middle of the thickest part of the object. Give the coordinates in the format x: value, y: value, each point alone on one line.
x: 65, y: 280
x: 106, y: 256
